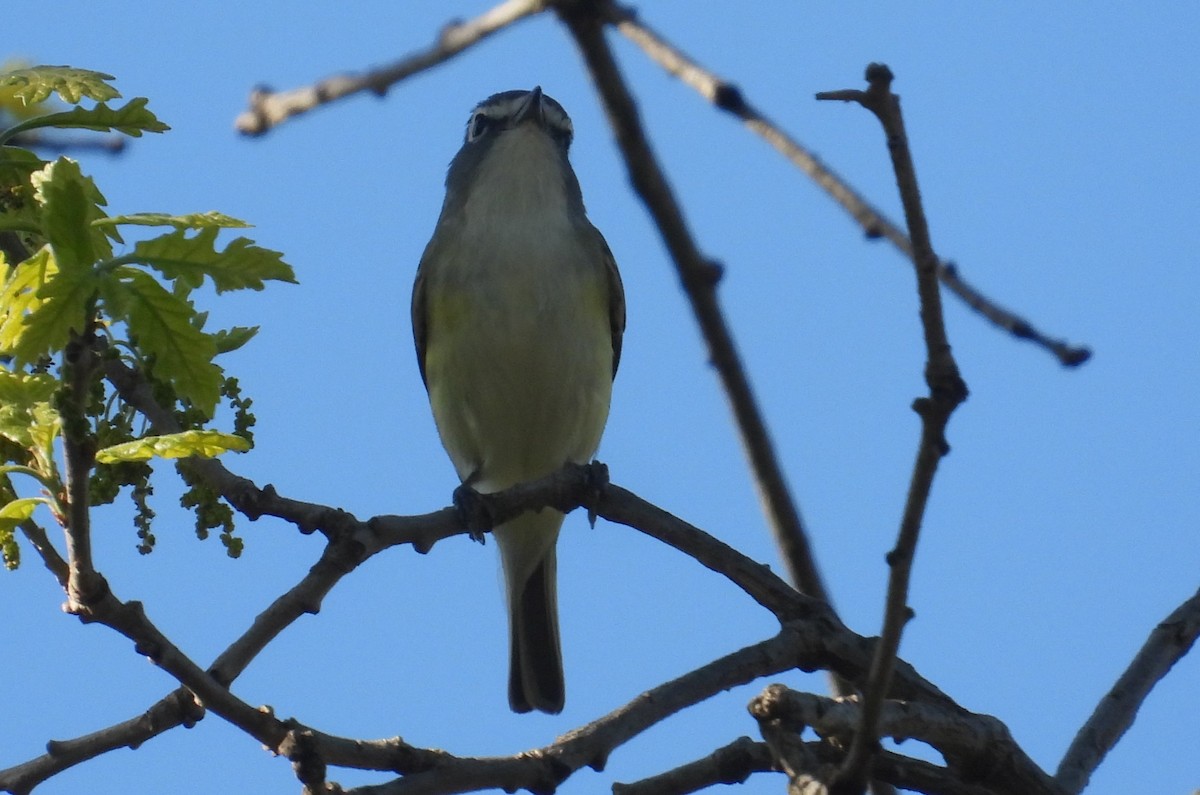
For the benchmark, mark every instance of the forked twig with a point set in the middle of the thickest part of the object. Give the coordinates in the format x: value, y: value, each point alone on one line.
x: 728, y: 97
x: 946, y: 391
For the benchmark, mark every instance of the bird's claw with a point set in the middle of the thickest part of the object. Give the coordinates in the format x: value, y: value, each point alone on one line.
x: 596, y: 474
x: 474, y: 512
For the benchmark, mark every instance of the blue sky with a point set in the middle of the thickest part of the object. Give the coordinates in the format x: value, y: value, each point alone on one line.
x: 1056, y: 153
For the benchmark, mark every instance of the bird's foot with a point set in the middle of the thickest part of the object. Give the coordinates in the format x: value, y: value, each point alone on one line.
x: 474, y: 511
x: 596, y: 474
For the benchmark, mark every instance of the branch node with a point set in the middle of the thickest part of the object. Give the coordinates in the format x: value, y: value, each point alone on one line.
x: 728, y: 97
x: 299, y: 747
x: 188, y: 710
x: 220, y: 676
x: 256, y: 121
x: 1073, y: 357
x: 713, y: 272
x: 879, y: 76
x: 87, y: 590
x: 251, y: 505
x: 149, y: 649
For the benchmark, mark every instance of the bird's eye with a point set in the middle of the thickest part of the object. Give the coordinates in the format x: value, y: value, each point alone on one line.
x: 563, y: 131
x: 478, y: 126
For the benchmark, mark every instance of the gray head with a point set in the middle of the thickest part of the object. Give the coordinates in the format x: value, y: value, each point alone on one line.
x: 515, y: 140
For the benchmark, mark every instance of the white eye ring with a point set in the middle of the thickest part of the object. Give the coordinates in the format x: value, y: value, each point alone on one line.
x: 478, y: 126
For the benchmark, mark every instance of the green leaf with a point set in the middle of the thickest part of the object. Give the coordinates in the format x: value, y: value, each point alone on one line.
x: 22, y: 160
x: 26, y: 418
x: 231, y: 339
x: 131, y: 119
x: 70, y: 203
x: 19, y: 510
x: 19, y: 295
x: 40, y: 306
x: 46, y: 426
x: 63, y: 307
x: 11, y: 516
x: 35, y: 84
x: 164, y: 326
x: 203, y: 443
x: 189, y: 221
x: 189, y: 259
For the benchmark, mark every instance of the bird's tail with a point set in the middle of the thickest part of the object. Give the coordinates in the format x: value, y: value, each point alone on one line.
x: 535, y: 673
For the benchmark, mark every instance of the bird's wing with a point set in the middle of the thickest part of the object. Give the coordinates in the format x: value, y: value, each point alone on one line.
x: 616, y: 297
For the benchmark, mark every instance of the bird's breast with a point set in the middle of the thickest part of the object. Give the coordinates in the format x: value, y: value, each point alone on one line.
x: 519, y: 354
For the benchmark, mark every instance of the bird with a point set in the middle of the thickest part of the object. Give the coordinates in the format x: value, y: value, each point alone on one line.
x: 518, y: 315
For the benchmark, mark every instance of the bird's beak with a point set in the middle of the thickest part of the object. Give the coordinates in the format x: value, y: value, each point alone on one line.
x: 532, y: 109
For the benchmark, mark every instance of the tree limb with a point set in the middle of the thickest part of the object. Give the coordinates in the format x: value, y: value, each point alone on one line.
x: 978, y: 749
x: 1168, y: 642
x: 811, y: 638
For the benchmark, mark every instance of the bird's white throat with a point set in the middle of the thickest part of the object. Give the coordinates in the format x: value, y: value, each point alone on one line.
x: 520, y: 184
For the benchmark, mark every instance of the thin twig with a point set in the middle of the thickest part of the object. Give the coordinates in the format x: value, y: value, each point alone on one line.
x: 53, y: 561
x: 49, y: 142
x: 1168, y: 642
x: 699, y: 277
x: 728, y: 97
x: 36, y: 535
x: 268, y: 108
x: 946, y: 391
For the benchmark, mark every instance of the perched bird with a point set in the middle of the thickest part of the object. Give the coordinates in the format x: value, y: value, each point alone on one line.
x: 518, y: 313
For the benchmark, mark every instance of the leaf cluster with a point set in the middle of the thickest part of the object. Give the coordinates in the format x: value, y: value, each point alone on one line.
x: 69, y: 280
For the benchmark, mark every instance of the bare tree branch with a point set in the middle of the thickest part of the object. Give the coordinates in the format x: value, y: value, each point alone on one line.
x: 812, y: 638
x: 1168, y: 642
x: 730, y: 764
x: 699, y: 277
x: 41, y: 542
x: 977, y: 748
x: 728, y: 97
x: 946, y: 391
x: 268, y: 109
x: 803, y: 643
x: 129, y: 619
x: 809, y: 764
x: 178, y: 708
